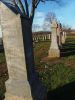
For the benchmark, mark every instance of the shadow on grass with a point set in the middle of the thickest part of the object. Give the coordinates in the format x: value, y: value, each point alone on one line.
x: 67, y: 50
x: 67, y: 92
x: 3, y: 79
x: 1, y: 49
x: 3, y: 74
x: 2, y: 92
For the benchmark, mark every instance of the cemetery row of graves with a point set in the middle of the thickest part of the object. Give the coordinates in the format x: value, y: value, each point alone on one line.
x: 53, y: 59
x: 56, y: 71
x: 61, y: 70
x: 53, y: 73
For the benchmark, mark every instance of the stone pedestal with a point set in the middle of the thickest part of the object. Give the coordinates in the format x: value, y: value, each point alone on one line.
x: 54, y: 53
x: 23, y: 83
x: 54, y: 49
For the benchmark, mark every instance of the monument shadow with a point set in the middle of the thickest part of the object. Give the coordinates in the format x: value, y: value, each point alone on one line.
x: 66, y: 92
x: 67, y: 50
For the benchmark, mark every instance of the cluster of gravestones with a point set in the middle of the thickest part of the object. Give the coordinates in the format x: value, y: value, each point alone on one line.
x: 58, y: 37
x: 23, y: 82
x: 42, y: 37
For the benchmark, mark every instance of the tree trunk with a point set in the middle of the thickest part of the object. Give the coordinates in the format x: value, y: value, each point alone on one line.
x: 28, y: 45
x: 35, y: 84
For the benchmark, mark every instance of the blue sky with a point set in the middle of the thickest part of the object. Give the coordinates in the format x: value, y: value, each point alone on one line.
x: 65, y: 12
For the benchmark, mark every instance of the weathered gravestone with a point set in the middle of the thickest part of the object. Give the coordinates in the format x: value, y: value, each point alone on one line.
x: 49, y: 36
x: 54, y: 49
x: 63, y: 37
x: 59, y: 30
x: 23, y: 83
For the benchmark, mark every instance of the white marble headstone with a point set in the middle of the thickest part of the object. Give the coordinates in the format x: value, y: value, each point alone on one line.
x: 54, y: 49
x: 17, y: 86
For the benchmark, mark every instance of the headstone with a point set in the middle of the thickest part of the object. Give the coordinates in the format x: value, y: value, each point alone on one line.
x: 33, y: 38
x: 54, y: 49
x: 63, y: 37
x: 23, y: 83
x: 49, y: 36
x: 45, y: 37
x: 17, y: 87
x: 59, y: 30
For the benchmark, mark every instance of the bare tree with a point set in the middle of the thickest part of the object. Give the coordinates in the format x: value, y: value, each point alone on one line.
x: 50, y: 16
x: 23, y: 6
x: 48, y: 20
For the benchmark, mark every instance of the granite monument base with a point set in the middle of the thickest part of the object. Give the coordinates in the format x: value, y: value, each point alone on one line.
x: 54, y: 53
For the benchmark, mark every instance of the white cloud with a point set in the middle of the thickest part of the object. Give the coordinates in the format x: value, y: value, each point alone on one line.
x: 38, y: 21
x: 39, y: 14
x: 39, y: 18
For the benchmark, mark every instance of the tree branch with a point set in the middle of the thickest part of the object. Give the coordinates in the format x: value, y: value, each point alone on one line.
x: 32, y: 11
x: 57, y: 1
x: 34, y: 6
x: 16, y: 6
x: 21, y: 6
x: 37, y: 3
x: 27, y: 9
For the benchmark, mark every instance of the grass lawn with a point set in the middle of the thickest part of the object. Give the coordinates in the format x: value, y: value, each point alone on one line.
x: 55, y: 73
x: 3, y: 75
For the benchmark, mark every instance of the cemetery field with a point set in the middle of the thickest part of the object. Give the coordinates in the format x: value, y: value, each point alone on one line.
x: 55, y: 73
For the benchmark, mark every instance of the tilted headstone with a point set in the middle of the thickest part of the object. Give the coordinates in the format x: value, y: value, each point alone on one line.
x: 54, y: 49
x: 23, y: 83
